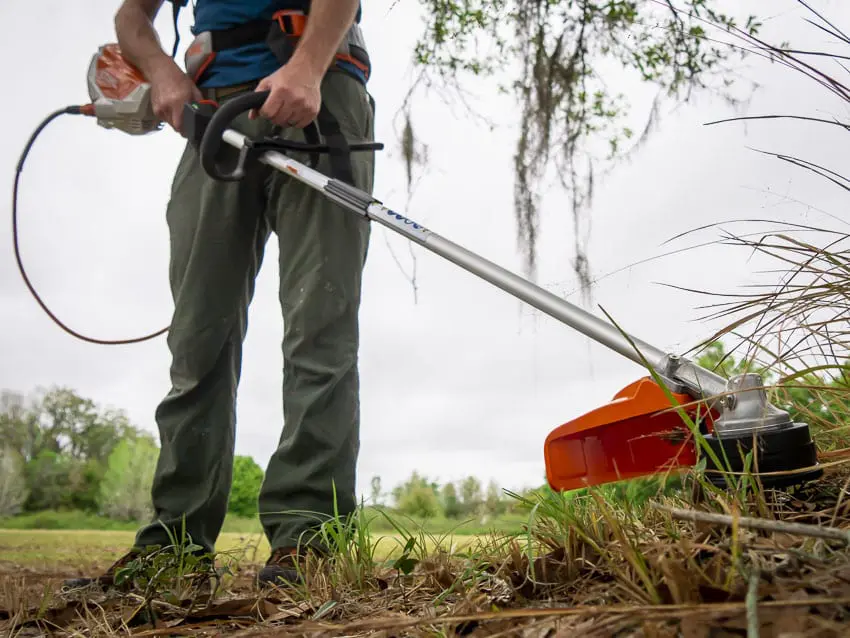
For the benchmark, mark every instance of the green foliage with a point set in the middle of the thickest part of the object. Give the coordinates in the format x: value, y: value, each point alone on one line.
x: 450, y: 502
x: 470, y: 495
x: 556, y: 57
x: 66, y: 520
x: 176, y: 572
x: 417, y: 497
x: 62, y: 422
x: 245, y: 489
x: 494, y: 505
x: 126, y: 486
x: 79, y: 520
x: 59, y: 481
x: 375, y: 484
x: 64, y: 441
x: 13, y: 491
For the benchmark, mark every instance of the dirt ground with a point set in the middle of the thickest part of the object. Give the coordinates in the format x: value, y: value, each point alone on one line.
x: 599, y: 571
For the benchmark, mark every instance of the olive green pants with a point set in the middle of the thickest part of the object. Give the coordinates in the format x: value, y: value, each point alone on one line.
x: 218, y: 231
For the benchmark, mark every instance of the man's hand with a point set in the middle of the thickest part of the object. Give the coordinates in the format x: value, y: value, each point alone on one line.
x: 170, y: 87
x: 295, y: 96
x: 170, y: 90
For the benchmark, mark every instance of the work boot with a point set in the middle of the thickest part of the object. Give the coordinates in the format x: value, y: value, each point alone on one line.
x: 285, y: 567
x: 107, y: 580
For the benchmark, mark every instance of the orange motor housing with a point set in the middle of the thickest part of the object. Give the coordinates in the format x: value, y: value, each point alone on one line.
x: 636, y: 434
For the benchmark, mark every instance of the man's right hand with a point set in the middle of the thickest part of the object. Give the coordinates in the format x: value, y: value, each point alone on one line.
x: 171, y: 88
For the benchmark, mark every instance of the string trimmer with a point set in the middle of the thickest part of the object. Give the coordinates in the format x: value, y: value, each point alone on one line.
x: 670, y: 418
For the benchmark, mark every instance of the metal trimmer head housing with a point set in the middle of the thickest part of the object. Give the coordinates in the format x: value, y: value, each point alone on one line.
x: 642, y: 432
x: 781, y: 449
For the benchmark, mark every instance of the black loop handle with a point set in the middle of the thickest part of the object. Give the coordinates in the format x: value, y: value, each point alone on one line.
x: 221, y: 121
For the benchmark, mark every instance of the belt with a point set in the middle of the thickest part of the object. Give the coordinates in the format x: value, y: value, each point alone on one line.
x: 218, y: 93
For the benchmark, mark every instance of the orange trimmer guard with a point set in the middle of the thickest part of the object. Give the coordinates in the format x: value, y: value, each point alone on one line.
x: 636, y: 434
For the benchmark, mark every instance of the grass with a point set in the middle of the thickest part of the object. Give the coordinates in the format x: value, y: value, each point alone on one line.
x: 583, y: 561
x: 686, y: 560
x: 77, y: 520
x: 81, y: 551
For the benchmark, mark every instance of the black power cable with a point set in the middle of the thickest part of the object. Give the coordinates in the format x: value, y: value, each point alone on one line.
x: 69, y: 110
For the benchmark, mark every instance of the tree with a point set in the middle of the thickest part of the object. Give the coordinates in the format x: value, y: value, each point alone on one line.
x: 13, y: 491
x: 493, y: 502
x: 65, y: 441
x: 245, y: 488
x: 451, y: 504
x: 714, y: 357
x: 376, y: 490
x: 74, y: 425
x: 470, y: 495
x: 417, y: 497
x: 419, y: 501
x: 61, y: 421
x: 19, y: 427
x: 51, y: 479
x: 125, y: 491
x: 563, y: 51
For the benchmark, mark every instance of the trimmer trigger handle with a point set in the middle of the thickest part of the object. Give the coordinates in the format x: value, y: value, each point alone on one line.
x: 196, y: 118
x: 215, y: 126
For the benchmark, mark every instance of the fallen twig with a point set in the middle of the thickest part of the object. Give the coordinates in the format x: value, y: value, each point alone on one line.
x: 800, y: 529
x: 752, y: 606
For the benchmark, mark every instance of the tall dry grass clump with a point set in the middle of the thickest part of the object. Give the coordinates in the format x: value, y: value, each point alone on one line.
x: 794, y: 328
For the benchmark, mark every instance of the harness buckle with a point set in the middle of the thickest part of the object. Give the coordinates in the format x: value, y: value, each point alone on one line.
x: 292, y: 22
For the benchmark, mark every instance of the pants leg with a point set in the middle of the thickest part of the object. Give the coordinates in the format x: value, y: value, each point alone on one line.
x: 322, y: 254
x: 217, y: 233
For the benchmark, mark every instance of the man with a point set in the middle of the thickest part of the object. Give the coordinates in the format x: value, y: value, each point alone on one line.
x: 217, y: 234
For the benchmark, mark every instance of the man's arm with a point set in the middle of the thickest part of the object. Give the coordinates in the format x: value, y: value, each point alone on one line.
x: 137, y: 37
x: 139, y: 43
x: 328, y: 23
x: 295, y: 89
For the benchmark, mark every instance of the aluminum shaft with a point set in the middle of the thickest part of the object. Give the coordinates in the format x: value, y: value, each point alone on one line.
x: 698, y: 380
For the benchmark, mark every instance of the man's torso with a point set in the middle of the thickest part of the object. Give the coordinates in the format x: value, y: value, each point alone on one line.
x: 246, y: 63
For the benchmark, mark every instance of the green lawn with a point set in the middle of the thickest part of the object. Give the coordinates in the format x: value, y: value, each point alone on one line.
x: 378, y: 523
x: 64, y: 542
x: 76, y: 551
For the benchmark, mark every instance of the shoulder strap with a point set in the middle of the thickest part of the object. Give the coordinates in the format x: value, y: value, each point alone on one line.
x: 176, y: 5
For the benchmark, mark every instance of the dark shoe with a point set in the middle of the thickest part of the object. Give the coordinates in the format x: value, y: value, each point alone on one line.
x: 106, y: 579
x: 199, y: 580
x: 285, y: 567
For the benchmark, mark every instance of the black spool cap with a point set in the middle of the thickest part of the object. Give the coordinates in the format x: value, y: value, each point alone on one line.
x: 782, y: 450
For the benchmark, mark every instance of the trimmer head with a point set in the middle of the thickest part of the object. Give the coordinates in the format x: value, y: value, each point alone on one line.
x: 636, y: 434
x: 641, y: 433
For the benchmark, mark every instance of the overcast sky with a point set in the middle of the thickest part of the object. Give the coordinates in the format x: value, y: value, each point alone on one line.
x: 466, y: 380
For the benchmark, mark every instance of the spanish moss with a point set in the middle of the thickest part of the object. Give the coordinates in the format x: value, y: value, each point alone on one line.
x: 572, y: 125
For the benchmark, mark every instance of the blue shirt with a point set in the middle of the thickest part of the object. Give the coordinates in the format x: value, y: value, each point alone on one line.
x: 249, y: 62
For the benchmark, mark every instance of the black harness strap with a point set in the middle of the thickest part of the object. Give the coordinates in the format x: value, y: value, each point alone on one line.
x: 253, y: 32
x: 339, y: 152
x: 175, y: 6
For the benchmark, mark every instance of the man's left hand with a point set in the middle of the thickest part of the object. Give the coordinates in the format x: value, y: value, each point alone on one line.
x: 295, y: 96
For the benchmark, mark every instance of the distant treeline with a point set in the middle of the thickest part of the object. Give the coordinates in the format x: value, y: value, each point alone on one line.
x: 62, y: 452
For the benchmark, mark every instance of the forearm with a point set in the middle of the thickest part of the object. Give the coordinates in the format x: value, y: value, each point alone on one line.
x: 327, y: 24
x: 137, y: 37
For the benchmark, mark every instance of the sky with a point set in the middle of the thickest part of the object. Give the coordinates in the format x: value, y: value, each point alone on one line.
x: 461, y: 378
